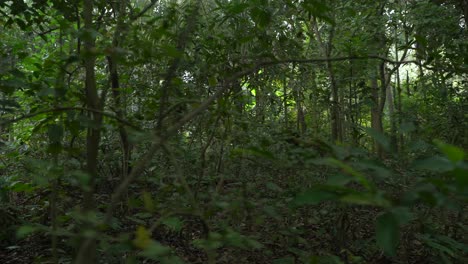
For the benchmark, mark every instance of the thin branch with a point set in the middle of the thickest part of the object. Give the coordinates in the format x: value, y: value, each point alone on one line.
x: 40, y: 34
x: 344, y: 58
x: 144, y: 10
x: 61, y: 109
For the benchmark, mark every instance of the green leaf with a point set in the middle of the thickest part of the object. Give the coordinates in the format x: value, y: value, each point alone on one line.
x: 173, y: 223
x: 235, y: 9
x: 339, y: 179
x: 387, y: 233
x: 260, y: 16
x: 24, y: 231
x: 274, y: 187
x: 142, y: 238
x: 148, y: 201
x: 171, y: 51
x: 461, y: 176
x: 212, y: 81
x: 359, y: 198
x: 351, y: 171
x: 21, y: 187
x: 156, y: 250
x: 436, y: 164
x: 453, y: 153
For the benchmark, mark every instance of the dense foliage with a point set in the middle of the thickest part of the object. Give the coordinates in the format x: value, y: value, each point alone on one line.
x: 233, y: 131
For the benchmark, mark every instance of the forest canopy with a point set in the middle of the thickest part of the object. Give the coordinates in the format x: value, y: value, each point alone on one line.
x: 233, y: 131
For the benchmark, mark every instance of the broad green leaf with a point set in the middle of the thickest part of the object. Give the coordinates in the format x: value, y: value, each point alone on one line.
x: 25, y: 230
x: 351, y: 171
x: 238, y: 8
x: 148, y: 201
x: 387, y: 233
x: 339, y: 179
x: 461, y: 176
x: 436, y: 164
x: 173, y: 223
x: 21, y: 187
x: 359, y: 198
x: 156, y: 251
x: 453, y: 153
x: 171, y: 51
x: 274, y: 187
x: 260, y: 16
x: 142, y: 238
x: 212, y: 81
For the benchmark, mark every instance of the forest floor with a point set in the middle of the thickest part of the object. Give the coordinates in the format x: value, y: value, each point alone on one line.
x: 329, y: 230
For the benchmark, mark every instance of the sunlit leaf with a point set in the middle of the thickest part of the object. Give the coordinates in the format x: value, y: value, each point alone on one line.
x: 142, y: 238
x: 148, y: 201
x: 453, y: 153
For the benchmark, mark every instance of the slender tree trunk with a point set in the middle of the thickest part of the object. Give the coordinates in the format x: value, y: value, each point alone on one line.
x: 376, y: 122
x: 259, y: 103
x: 87, y: 251
x: 285, y: 102
x: 408, y: 91
x: 119, y: 100
x: 300, y: 115
x: 336, y: 126
x: 399, y: 108
x: 352, y: 102
x: 315, y: 106
x: 391, y: 113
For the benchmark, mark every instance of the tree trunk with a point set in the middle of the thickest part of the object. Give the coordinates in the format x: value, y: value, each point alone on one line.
x: 336, y: 126
x: 119, y: 100
x: 298, y: 99
x: 391, y: 113
x: 376, y: 118
x: 285, y: 102
x: 87, y: 250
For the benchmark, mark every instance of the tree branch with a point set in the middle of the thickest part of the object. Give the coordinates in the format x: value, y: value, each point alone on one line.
x: 144, y: 10
x: 61, y: 109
